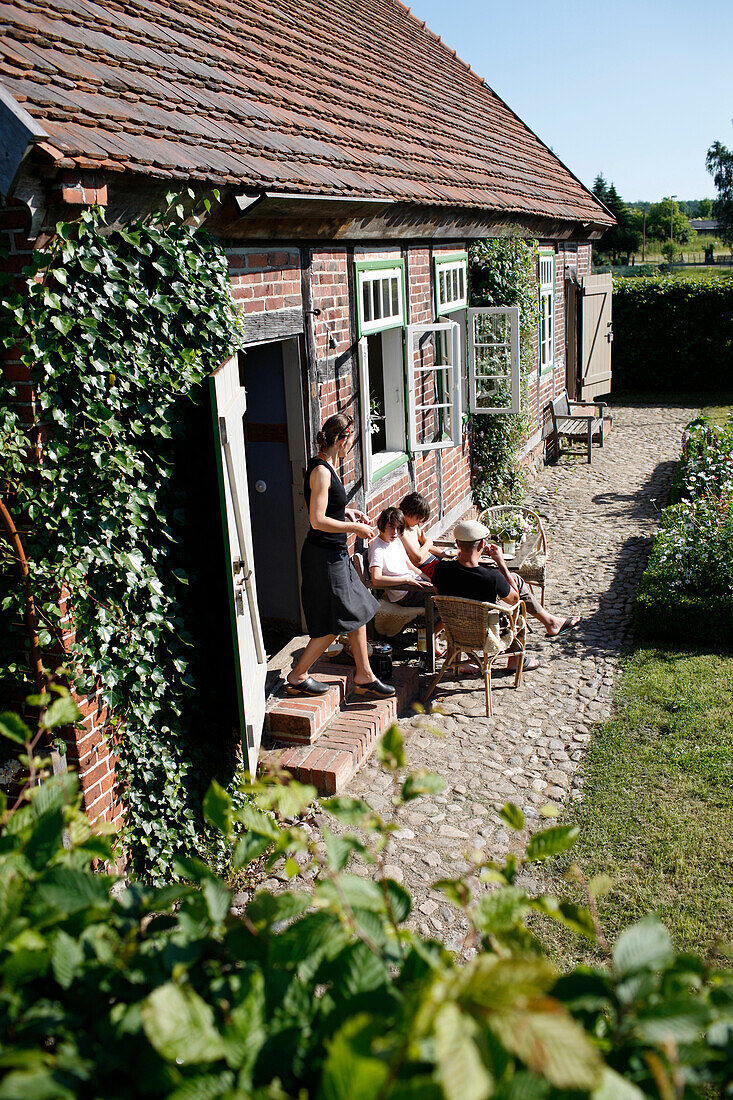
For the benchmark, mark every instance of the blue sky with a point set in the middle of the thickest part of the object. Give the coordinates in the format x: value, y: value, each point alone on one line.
x: 636, y: 89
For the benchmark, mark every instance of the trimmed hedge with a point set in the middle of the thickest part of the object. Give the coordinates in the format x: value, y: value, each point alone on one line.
x: 702, y: 620
x: 672, y: 333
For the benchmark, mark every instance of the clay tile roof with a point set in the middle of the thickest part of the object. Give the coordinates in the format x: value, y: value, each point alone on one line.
x: 343, y: 97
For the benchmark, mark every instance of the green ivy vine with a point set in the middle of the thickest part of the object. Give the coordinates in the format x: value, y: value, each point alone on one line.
x: 119, y: 328
x: 503, y: 273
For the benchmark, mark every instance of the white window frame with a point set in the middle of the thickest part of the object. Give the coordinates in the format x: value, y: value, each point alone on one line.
x: 453, y: 269
x: 376, y: 466
x: 385, y: 278
x: 512, y: 313
x: 451, y: 373
x: 546, y: 333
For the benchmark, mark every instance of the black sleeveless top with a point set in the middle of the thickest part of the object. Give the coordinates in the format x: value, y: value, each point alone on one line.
x: 335, y: 509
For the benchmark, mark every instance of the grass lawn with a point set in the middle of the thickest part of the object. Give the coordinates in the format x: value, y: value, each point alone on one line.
x: 657, y: 812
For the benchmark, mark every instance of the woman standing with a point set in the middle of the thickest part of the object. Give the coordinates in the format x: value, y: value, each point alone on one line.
x: 334, y: 599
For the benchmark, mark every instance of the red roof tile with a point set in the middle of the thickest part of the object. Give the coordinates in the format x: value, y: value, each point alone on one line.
x: 342, y: 97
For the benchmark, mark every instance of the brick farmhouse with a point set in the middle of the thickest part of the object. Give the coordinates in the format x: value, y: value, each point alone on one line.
x: 356, y: 157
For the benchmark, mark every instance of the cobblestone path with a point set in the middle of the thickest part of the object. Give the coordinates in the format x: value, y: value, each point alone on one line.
x: 601, y: 522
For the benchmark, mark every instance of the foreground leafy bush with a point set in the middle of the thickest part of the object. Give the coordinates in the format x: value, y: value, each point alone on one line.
x: 672, y: 334
x: 686, y: 593
x: 161, y: 992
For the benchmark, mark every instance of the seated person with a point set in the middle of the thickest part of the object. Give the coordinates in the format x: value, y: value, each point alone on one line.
x: 420, y: 549
x: 467, y: 578
x: 389, y: 563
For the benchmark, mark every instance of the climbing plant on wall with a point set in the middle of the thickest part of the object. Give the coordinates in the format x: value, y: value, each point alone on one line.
x: 502, y: 272
x: 119, y: 328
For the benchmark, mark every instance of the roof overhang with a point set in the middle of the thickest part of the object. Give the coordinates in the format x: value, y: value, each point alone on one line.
x: 18, y: 133
x: 278, y: 215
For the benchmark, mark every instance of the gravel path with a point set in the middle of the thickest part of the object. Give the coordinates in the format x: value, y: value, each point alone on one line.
x: 601, y: 521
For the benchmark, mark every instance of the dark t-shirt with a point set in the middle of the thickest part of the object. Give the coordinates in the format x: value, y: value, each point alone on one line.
x: 483, y: 583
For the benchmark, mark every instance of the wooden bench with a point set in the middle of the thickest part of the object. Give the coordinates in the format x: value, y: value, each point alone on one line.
x: 584, y: 428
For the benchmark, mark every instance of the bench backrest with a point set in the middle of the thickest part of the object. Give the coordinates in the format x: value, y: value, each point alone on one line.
x: 561, y: 404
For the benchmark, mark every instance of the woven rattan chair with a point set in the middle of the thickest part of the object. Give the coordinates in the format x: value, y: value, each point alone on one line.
x: 534, y: 567
x: 483, y: 631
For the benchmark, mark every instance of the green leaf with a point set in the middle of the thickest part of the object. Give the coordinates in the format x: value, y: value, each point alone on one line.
x: 352, y: 890
x: 66, y: 958
x: 351, y: 1071
x: 400, y: 901
x: 266, y: 909
x: 63, y: 712
x: 643, y: 946
x: 512, y: 816
x: 357, y: 970
x: 217, y: 807
x: 14, y: 728
x: 550, y: 1043
x: 460, y: 1069
x: 180, y: 1026
x: 246, y: 1029
x: 218, y: 899
x: 70, y: 890
x: 500, y: 910
x: 338, y: 849
x: 567, y: 913
x: 678, y: 1020
x: 249, y: 847
x: 391, y: 749
x: 349, y: 811
x: 206, y: 1086
x: 550, y: 842
x: 613, y: 1086
x: 421, y: 783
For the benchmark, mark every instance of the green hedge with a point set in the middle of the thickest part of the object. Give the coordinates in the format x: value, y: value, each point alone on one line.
x: 702, y: 620
x: 672, y: 333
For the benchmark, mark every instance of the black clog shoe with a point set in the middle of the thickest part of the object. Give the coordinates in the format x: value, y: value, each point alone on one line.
x: 375, y: 688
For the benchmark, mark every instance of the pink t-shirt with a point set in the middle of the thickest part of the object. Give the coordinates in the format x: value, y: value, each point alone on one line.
x: 392, y: 559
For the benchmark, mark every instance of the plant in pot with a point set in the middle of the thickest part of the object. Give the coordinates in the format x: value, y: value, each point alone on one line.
x: 510, y: 530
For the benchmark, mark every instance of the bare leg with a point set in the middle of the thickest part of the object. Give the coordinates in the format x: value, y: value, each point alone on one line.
x: 359, y: 652
x: 316, y: 648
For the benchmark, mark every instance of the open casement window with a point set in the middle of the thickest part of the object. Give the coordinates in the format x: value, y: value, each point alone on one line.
x: 493, y: 359
x: 434, y: 385
x: 546, y: 280
x: 381, y: 372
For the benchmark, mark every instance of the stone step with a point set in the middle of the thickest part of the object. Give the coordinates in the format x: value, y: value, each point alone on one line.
x: 349, y: 738
x: 300, y: 719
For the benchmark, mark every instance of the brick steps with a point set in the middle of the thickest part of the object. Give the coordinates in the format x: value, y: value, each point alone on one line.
x: 348, y: 738
x: 300, y: 719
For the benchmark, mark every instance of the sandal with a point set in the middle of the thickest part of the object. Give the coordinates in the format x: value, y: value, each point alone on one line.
x: 567, y: 624
x: 309, y: 686
x: 375, y: 688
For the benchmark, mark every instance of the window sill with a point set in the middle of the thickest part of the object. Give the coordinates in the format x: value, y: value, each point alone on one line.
x: 386, y: 462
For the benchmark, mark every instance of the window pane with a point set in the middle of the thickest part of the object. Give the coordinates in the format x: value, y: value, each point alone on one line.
x: 366, y: 301
x: 461, y: 282
x: 377, y: 299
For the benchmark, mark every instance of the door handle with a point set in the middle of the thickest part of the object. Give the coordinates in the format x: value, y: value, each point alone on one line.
x: 260, y: 487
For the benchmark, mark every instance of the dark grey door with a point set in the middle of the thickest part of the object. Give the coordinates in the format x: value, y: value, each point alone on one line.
x: 270, y: 476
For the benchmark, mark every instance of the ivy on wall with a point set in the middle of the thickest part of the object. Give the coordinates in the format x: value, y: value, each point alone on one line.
x: 503, y: 272
x: 119, y: 328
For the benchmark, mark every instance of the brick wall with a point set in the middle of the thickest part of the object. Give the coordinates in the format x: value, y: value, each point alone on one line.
x: 264, y: 279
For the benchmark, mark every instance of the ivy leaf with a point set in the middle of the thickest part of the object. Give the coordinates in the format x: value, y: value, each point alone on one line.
x: 180, y: 1026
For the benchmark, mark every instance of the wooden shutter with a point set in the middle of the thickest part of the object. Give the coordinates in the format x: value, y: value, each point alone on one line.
x: 493, y: 359
x: 229, y: 403
x: 596, y: 336
x: 433, y: 385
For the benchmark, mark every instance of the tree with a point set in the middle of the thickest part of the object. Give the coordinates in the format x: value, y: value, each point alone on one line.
x: 657, y: 223
x: 719, y: 163
x: 624, y: 237
x: 705, y: 208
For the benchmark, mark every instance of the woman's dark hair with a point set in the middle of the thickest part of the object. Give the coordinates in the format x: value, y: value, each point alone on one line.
x: 415, y: 504
x: 391, y: 516
x: 335, y: 428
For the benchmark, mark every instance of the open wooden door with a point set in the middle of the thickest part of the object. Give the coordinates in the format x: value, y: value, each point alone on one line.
x: 228, y: 401
x: 596, y: 336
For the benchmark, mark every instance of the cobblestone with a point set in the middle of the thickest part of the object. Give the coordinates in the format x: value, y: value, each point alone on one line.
x: 601, y: 521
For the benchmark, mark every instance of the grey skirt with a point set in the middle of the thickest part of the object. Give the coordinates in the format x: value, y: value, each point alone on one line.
x: 334, y: 599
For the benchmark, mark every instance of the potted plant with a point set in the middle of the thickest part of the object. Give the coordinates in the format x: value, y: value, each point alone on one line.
x: 510, y: 530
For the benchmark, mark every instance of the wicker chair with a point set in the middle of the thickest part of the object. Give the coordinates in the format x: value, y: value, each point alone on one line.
x: 534, y: 567
x: 484, y: 631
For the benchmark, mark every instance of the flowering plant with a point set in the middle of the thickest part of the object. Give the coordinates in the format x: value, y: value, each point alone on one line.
x: 706, y: 466
x: 510, y: 526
